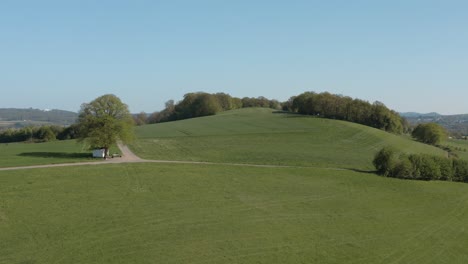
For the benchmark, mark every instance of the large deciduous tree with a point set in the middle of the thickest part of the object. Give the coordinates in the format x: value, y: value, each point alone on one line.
x: 105, y: 121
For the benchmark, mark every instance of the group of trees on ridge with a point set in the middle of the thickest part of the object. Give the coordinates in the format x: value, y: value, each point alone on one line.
x: 203, y: 104
x: 325, y: 105
x: 340, y: 107
x: 420, y: 166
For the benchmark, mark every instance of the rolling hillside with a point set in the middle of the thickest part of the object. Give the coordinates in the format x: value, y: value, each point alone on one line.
x: 225, y: 213
x: 263, y: 136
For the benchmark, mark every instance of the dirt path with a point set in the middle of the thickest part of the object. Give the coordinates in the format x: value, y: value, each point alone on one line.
x: 129, y: 157
x: 127, y: 154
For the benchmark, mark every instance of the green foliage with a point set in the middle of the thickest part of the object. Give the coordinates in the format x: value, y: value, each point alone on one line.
x: 38, y: 134
x: 420, y: 166
x: 425, y: 167
x: 104, y: 121
x: 402, y: 168
x: 385, y: 160
x: 345, y: 108
x: 460, y: 170
x: 205, y: 104
x: 140, y: 119
x: 430, y: 133
x: 45, y: 134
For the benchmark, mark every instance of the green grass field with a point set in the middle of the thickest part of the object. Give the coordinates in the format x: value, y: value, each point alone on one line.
x: 154, y: 213
x: 24, y: 154
x: 462, y: 146
x: 55, y: 152
x: 260, y: 136
x: 199, y: 213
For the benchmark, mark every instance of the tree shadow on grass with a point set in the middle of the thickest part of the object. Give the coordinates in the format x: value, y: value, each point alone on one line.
x: 61, y: 155
x: 363, y: 171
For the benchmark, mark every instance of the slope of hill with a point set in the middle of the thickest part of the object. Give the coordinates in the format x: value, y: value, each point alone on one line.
x: 23, y: 117
x: 200, y: 213
x: 263, y: 136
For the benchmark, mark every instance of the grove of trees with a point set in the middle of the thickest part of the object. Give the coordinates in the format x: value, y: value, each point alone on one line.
x: 340, y: 107
x: 205, y: 104
x: 420, y: 166
x: 429, y: 133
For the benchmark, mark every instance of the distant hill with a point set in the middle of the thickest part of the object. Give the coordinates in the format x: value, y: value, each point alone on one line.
x: 15, y: 117
x: 415, y: 114
x: 455, y: 124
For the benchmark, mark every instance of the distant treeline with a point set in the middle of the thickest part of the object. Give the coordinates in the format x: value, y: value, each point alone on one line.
x: 59, y: 117
x: 38, y: 134
x: 420, y: 166
x: 203, y: 104
x: 457, y: 125
x: 340, y: 107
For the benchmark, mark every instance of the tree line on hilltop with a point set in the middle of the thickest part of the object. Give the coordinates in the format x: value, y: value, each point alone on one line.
x: 340, y: 107
x: 203, y: 104
x: 324, y: 105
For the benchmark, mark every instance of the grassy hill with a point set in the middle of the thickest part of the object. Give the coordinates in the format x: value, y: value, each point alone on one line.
x: 200, y: 213
x: 459, y: 146
x: 262, y: 136
x: 172, y: 213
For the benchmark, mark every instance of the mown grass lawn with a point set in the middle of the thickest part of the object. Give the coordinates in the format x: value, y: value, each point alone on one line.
x: 261, y: 136
x: 155, y: 213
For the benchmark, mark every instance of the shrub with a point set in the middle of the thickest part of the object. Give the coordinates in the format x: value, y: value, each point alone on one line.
x: 385, y: 160
x: 460, y: 170
x: 403, y: 169
x: 420, y: 166
x: 430, y: 133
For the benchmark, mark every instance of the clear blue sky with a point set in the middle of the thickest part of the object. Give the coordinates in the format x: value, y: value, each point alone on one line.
x: 411, y: 55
